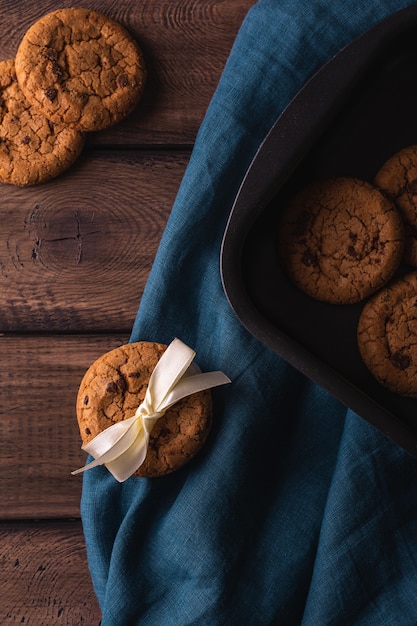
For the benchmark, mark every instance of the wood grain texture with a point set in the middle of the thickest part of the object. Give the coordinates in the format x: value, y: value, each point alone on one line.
x: 185, y: 43
x: 75, y: 253
x: 44, y: 577
x: 40, y: 441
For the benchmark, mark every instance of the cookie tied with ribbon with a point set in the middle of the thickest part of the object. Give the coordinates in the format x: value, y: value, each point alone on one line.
x: 145, y: 409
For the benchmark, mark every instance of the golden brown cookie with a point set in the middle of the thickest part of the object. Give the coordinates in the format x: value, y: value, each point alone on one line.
x: 32, y: 149
x: 80, y: 68
x: 115, y: 385
x: 398, y: 178
x: 340, y: 240
x: 387, y: 332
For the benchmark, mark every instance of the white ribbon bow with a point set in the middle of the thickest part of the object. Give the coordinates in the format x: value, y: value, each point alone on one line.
x: 123, y: 446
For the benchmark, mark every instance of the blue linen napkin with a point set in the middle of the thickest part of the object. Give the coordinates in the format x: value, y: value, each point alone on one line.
x: 296, y: 511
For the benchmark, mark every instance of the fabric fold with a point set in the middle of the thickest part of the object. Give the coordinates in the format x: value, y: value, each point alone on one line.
x: 366, y: 543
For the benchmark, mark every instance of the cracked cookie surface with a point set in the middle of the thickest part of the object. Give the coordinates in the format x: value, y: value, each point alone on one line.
x: 80, y: 68
x: 32, y: 149
x: 340, y: 240
x: 398, y: 178
x: 115, y: 385
x: 387, y: 332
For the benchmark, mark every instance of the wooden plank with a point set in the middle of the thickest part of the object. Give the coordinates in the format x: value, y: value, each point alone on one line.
x: 44, y: 576
x: 75, y: 252
x: 40, y: 441
x: 185, y: 43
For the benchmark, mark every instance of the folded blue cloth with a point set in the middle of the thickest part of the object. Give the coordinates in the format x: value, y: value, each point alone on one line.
x: 296, y: 511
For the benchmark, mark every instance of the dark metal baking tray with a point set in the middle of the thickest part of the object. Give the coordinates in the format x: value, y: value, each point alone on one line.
x: 357, y: 111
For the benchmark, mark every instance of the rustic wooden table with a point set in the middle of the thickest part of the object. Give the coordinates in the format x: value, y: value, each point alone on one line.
x: 75, y: 254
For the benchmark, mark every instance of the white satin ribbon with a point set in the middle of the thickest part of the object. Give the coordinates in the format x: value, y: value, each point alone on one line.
x: 123, y: 446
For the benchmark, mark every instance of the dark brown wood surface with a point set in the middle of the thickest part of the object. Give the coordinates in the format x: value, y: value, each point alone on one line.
x: 44, y: 577
x: 75, y: 254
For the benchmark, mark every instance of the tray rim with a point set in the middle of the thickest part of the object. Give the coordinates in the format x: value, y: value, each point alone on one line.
x: 262, y: 181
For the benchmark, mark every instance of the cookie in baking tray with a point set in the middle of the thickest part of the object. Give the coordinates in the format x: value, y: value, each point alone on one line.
x: 387, y: 332
x: 398, y: 178
x: 80, y: 68
x: 32, y: 149
x: 340, y: 240
x: 115, y: 385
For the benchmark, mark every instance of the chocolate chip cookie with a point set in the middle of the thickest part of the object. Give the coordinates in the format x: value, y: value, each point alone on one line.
x: 387, y: 332
x: 32, y: 149
x: 80, y: 68
x: 398, y: 178
x: 115, y: 385
x: 340, y: 240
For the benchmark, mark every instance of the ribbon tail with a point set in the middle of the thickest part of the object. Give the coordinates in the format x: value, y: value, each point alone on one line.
x: 108, y: 437
x: 112, y: 443
x: 193, y: 384
x: 125, y: 465
x: 94, y: 463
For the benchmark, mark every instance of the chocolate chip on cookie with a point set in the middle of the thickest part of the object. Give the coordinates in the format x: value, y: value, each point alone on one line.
x: 340, y: 240
x: 80, y: 68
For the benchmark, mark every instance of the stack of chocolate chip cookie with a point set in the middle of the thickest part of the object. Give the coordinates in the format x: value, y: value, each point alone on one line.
x: 75, y: 71
x: 342, y: 241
